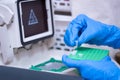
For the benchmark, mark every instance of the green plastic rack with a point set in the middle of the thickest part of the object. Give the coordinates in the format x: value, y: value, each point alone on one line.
x: 51, y: 65
x: 85, y: 53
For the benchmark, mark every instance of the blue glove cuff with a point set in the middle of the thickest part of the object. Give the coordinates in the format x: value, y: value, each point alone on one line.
x: 113, y: 37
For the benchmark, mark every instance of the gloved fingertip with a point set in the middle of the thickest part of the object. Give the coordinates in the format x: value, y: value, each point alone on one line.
x: 64, y: 57
x: 85, y: 37
x: 66, y: 61
x: 68, y: 41
x: 80, y: 41
x: 107, y: 58
x: 79, y: 44
x: 81, y: 17
x: 70, y: 62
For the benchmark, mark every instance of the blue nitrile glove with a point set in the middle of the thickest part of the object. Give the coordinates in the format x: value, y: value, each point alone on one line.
x: 94, y: 70
x: 86, y: 30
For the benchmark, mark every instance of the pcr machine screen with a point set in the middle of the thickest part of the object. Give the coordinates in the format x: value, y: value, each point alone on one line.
x: 34, y: 20
x: 34, y: 17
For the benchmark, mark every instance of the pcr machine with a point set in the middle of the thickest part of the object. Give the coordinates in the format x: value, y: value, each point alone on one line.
x: 23, y: 22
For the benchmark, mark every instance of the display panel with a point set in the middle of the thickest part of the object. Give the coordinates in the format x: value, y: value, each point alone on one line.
x: 35, y: 19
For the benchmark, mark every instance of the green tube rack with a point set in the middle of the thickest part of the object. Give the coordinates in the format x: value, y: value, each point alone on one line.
x: 85, y: 53
x: 51, y: 65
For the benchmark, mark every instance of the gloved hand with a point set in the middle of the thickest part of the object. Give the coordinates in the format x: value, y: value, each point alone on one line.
x: 94, y: 70
x: 86, y: 30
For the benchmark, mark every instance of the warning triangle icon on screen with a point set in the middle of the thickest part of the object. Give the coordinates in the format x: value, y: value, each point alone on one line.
x: 32, y: 18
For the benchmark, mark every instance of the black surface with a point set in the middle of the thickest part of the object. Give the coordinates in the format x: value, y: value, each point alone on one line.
x: 63, y: 13
x: 12, y: 73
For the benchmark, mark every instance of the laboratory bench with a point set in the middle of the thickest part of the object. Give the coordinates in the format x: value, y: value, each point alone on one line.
x: 19, y: 69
